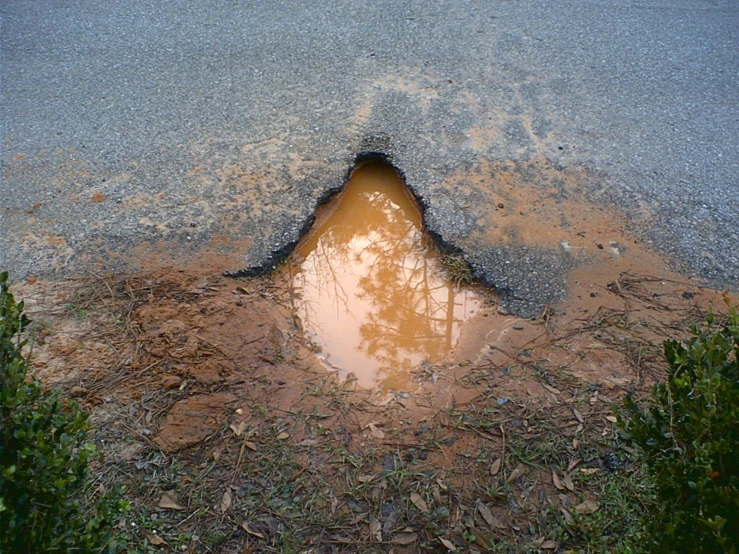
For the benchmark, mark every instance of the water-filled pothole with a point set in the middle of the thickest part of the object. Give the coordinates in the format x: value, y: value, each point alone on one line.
x: 370, y: 287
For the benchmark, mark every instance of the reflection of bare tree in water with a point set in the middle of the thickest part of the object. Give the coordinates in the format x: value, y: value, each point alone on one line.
x: 370, y: 255
x: 412, y: 306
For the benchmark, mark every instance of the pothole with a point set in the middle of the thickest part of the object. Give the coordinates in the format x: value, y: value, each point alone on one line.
x: 370, y: 286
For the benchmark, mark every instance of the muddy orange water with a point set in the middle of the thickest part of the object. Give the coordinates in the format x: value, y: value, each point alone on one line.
x: 370, y: 288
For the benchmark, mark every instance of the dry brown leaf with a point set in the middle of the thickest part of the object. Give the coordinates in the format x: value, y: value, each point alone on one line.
x: 365, y: 478
x: 568, y: 483
x: 375, y: 432
x: 449, y: 544
x: 308, y: 442
x: 238, y: 430
x: 375, y: 529
x: 588, y: 470
x: 153, y: 538
x: 569, y: 520
x: 573, y: 464
x: 495, y: 466
x: 551, y: 389
x: 479, y: 538
x: 557, y: 481
x: 588, y: 506
x: 283, y: 436
x: 357, y: 519
x: 515, y: 474
x: 549, y: 545
x: 169, y: 501
x: 578, y: 415
x: 486, y: 514
x: 575, y: 443
x: 405, y: 538
x: 252, y: 531
x: 225, y: 503
x: 612, y: 419
x: 419, y: 502
x: 251, y: 446
x: 437, y: 495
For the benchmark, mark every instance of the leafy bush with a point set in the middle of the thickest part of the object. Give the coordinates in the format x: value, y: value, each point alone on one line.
x: 43, y: 458
x: 690, y: 440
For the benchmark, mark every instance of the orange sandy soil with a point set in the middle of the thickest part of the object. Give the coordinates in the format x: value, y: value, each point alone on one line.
x: 212, y: 409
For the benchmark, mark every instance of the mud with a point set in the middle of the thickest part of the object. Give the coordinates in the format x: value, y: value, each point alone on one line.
x: 196, y: 350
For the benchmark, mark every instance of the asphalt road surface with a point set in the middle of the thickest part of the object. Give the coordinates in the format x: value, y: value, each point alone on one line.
x: 183, y: 126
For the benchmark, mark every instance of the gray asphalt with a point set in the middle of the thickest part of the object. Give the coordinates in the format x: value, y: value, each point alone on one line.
x: 233, y: 117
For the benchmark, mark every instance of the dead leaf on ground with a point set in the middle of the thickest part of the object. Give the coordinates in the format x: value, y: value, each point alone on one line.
x: 612, y: 419
x: 419, y: 502
x: 405, y: 538
x: 251, y: 446
x: 153, y: 538
x: 365, y: 478
x: 283, y: 436
x: 549, y: 545
x: 169, y: 501
x: 375, y: 432
x: 238, y: 429
x: 308, y: 442
x: 515, y: 474
x: 375, y: 529
x: 551, y: 389
x: 578, y: 415
x: 487, y: 514
x: 225, y: 503
x: 449, y: 544
x: 557, y: 481
x: 495, y: 466
x: 253, y: 531
x: 437, y: 495
x: 479, y: 538
x: 589, y: 506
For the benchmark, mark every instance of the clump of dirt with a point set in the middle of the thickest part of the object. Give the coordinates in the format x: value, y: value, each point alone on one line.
x: 202, y: 388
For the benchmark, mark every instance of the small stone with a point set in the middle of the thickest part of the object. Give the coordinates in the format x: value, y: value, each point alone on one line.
x: 518, y: 327
x: 503, y: 311
x: 501, y: 206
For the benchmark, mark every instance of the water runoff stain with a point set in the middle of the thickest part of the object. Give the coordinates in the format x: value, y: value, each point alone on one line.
x: 370, y: 286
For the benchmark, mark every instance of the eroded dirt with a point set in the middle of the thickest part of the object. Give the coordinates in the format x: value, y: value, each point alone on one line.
x: 204, y: 387
x: 185, y: 366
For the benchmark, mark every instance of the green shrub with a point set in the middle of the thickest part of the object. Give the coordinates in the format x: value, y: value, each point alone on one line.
x: 689, y: 437
x: 44, y: 458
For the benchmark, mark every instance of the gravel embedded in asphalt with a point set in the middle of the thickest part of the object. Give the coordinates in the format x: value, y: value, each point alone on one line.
x: 232, y: 118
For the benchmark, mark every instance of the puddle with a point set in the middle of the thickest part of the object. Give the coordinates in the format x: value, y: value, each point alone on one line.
x: 369, y: 285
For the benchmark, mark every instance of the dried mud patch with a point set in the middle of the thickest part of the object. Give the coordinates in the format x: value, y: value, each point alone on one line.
x: 229, y: 435
x: 526, y: 225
